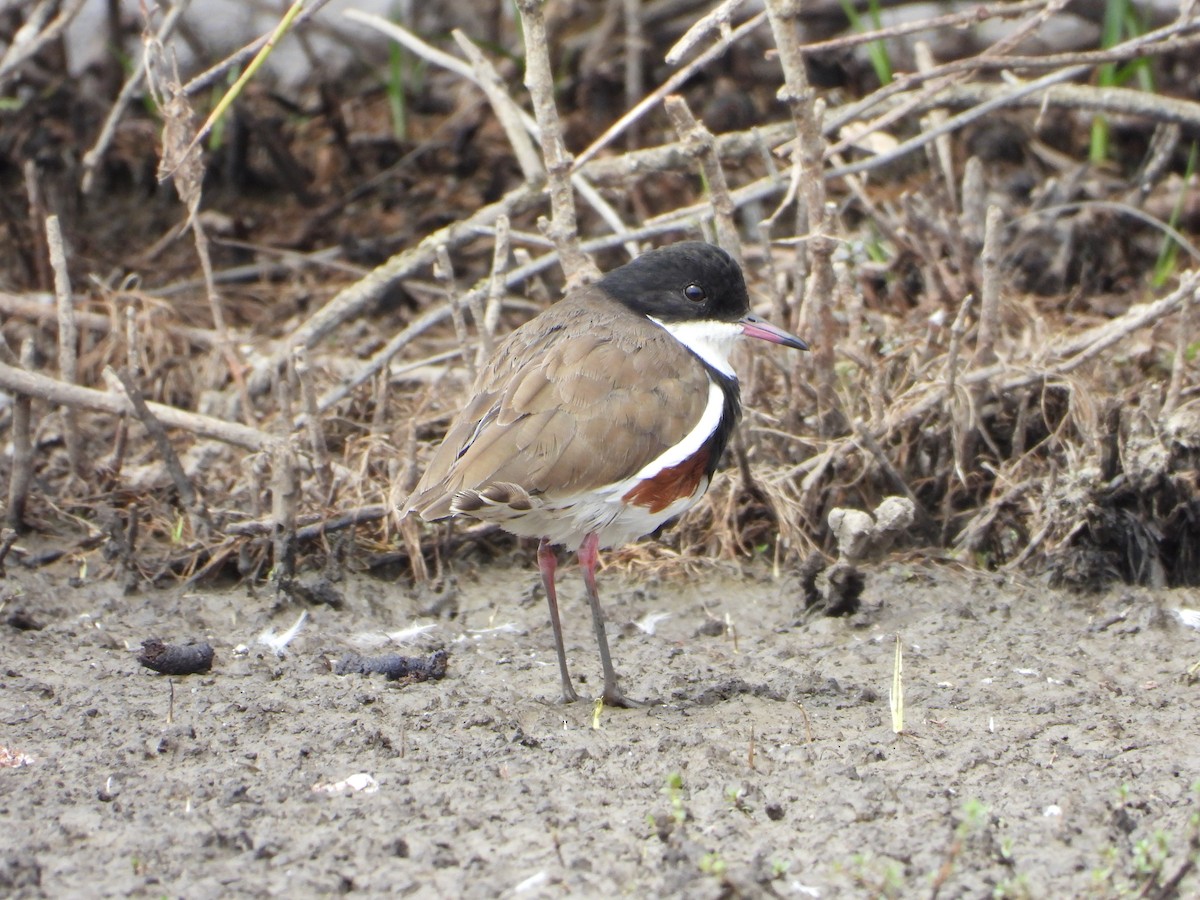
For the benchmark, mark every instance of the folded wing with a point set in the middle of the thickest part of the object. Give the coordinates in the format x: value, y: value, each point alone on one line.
x: 558, y: 418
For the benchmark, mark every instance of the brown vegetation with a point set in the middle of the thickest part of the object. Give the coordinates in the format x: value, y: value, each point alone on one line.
x: 254, y: 368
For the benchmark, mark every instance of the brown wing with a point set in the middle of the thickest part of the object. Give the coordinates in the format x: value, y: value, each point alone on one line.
x: 560, y: 418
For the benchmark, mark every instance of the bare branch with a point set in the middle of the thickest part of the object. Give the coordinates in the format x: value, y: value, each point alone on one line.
x: 217, y: 72
x: 505, y: 108
x: 807, y: 113
x: 132, y: 85
x: 350, y: 301
x: 312, y: 423
x: 37, y: 32
x: 21, y: 472
x: 189, y: 499
x: 68, y: 338
x: 443, y: 270
x: 989, y: 307
x: 669, y: 86
x: 539, y: 79
x: 496, y: 287
x: 703, y: 147
x: 718, y: 20
x: 51, y: 390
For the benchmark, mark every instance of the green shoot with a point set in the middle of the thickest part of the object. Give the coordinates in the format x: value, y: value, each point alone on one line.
x: 1149, y: 857
x: 1106, y: 76
x: 396, y: 94
x: 1164, y: 266
x: 216, y: 135
x: 736, y: 798
x: 880, y: 60
x: 877, y: 51
x: 673, y: 791
x: 712, y: 864
x: 1120, y: 21
x: 234, y: 92
x: 974, y: 817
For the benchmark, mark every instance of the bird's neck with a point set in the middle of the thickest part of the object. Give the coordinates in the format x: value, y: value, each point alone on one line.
x: 711, y: 343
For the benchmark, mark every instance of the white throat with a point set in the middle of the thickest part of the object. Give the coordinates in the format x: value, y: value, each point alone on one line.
x: 711, y: 341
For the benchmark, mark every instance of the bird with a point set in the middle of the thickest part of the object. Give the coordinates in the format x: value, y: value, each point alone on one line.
x: 602, y: 418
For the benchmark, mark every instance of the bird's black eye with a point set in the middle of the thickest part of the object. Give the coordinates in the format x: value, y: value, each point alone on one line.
x: 694, y: 292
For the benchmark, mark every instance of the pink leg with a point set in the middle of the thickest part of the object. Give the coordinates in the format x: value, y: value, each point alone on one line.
x: 547, y: 564
x: 589, y: 555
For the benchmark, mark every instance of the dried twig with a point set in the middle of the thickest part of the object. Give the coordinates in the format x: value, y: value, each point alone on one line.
x: 37, y: 216
x: 37, y: 32
x: 957, y: 330
x: 539, y: 79
x: 21, y: 473
x: 350, y: 301
x: 1006, y: 96
x: 718, y: 19
x: 989, y: 306
x: 943, y: 159
x: 807, y: 113
x: 285, y: 492
x: 931, y: 84
x: 133, y: 344
x: 311, y: 525
x: 36, y: 307
x: 621, y: 169
x: 372, y: 367
x: 974, y: 15
x: 8, y: 537
x: 181, y: 161
x: 1169, y: 38
x: 133, y: 84
x: 1078, y: 349
x: 51, y: 390
x: 862, y: 434
x: 312, y: 424
x: 505, y: 108
x: 947, y: 75
x: 669, y: 86
x: 235, y: 59
x: 1123, y: 209
x: 1053, y: 95
x: 444, y: 271
x: 6, y: 355
x: 288, y: 20
x: 703, y: 147
x: 68, y: 339
x: 973, y: 204
x: 496, y: 288
x: 1115, y: 101
x: 635, y: 46
x: 189, y: 498
x: 1059, y: 359
x: 110, y: 471
x: 1183, y: 339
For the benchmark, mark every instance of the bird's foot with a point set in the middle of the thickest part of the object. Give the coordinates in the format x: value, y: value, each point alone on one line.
x: 613, y: 697
x: 569, y: 695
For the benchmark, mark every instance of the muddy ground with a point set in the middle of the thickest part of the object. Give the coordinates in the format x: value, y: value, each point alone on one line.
x: 1050, y: 744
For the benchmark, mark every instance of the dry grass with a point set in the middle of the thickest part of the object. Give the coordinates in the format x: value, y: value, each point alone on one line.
x: 1023, y: 383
